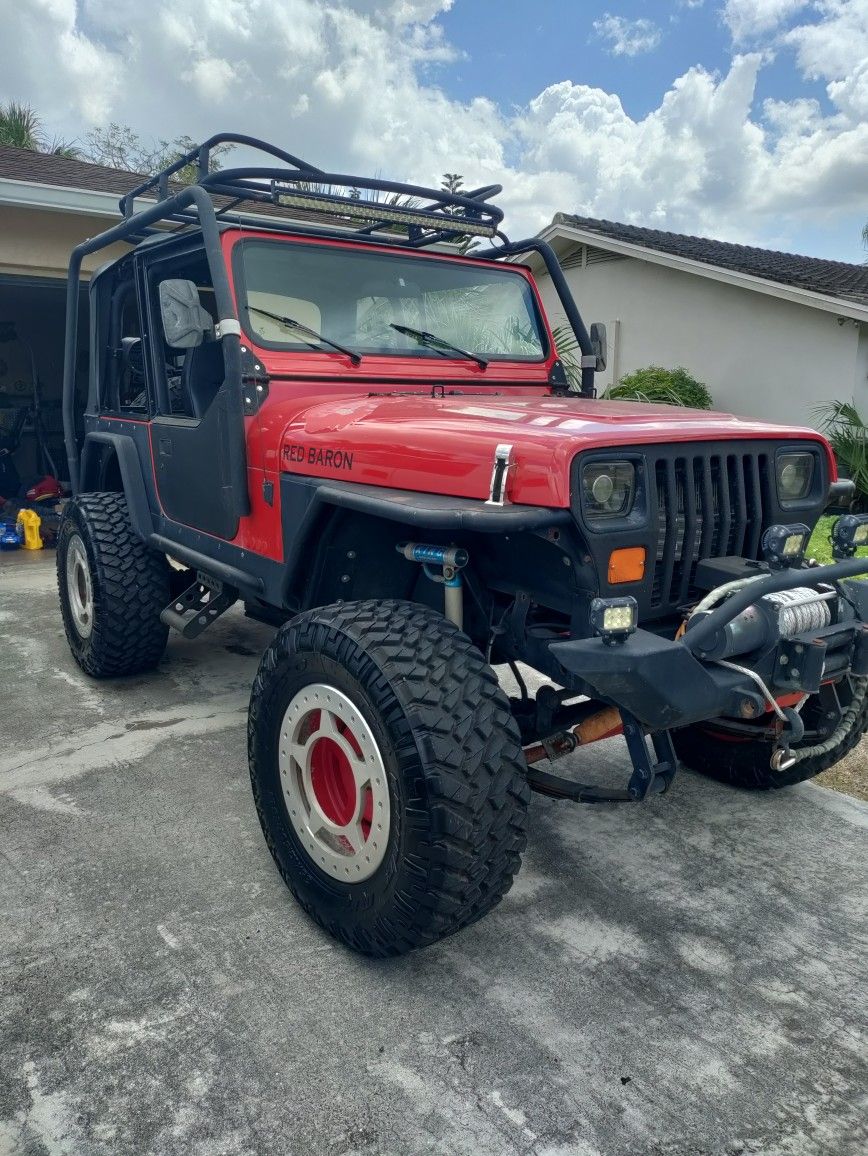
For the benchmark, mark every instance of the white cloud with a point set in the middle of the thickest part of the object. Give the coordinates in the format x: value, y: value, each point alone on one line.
x: 627, y: 37
x: 212, y: 78
x: 836, y: 42
x: 351, y: 84
x: 748, y: 19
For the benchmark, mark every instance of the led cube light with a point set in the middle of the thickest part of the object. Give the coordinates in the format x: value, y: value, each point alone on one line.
x: 785, y: 545
x: 614, y: 619
x: 849, y: 534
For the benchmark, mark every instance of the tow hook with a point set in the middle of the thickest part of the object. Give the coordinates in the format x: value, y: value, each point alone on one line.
x: 452, y: 560
x: 792, y: 730
x: 782, y: 759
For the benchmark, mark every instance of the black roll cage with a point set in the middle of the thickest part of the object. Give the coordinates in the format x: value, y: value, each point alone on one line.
x: 439, y: 220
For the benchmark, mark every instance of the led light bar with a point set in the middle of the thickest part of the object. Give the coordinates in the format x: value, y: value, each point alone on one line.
x: 372, y: 213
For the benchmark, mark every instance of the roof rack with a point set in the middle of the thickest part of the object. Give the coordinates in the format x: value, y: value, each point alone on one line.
x: 410, y: 214
x: 214, y: 198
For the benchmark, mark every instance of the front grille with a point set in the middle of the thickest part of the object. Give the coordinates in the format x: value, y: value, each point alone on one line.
x: 707, y: 505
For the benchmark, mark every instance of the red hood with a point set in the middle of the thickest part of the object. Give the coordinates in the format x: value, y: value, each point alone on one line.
x: 446, y: 445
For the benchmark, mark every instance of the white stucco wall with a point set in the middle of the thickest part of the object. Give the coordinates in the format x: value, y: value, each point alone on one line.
x: 759, y: 356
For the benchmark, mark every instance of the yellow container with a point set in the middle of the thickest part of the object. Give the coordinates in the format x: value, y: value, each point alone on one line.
x: 30, y: 522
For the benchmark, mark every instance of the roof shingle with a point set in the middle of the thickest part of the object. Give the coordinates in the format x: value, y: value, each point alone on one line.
x: 831, y: 278
x: 51, y: 169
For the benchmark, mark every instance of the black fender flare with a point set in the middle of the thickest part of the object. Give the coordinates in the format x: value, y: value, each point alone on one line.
x: 307, y: 504
x: 135, y: 493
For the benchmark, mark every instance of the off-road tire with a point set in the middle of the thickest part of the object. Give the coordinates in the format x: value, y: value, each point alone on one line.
x: 130, y: 587
x: 453, y: 760
x: 746, y: 763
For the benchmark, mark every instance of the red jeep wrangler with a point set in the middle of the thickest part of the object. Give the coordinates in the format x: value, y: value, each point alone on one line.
x: 322, y: 407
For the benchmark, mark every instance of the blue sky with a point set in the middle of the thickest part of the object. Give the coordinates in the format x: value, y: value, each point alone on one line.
x: 740, y: 119
x: 514, y: 49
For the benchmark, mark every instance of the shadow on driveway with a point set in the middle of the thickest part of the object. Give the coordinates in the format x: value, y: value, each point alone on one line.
x: 686, y: 976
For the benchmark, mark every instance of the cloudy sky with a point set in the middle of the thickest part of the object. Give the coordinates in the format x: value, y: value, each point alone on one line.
x: 745, y: 119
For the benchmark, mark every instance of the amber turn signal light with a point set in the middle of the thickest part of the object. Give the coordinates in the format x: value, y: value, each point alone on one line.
x: 627, y: 565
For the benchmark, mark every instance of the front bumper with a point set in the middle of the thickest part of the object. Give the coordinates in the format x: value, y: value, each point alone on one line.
x: 666, y: 684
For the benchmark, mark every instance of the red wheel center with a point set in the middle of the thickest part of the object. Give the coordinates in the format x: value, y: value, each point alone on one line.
x: 333, y: 782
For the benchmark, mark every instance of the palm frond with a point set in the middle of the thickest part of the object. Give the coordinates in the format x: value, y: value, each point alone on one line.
x: 848, y: 434
x: 21, y: 126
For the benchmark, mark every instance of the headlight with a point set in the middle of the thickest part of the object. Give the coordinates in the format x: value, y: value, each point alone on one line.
x: 795, y: 475
x: 608, y: 489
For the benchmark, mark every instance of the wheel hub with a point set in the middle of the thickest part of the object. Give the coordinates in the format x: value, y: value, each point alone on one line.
x: 79, y: 587
x: 334, y: 783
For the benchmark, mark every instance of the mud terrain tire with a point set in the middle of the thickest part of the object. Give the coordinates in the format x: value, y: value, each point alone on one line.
x: 112, y: 588
x: 452, y: 779
x: 746, y: 763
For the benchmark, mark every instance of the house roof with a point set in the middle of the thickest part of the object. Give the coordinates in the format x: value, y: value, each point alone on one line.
x: 98, y: 188
x: 51, y: 169
x: 837, y: 279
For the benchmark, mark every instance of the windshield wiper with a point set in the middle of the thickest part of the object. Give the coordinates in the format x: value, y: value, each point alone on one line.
x: 438, y: 344
x: 291, y: 323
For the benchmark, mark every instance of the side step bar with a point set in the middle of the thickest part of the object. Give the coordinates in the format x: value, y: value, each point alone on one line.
x: 200, y: 604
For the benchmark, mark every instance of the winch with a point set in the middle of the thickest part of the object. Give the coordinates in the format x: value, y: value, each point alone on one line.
x: 772, y: 617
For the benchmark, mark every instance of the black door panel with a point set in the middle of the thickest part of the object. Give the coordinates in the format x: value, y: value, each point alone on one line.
x: 190, y: 464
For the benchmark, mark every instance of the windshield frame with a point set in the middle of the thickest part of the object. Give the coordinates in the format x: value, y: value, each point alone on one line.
x: 418, y: 354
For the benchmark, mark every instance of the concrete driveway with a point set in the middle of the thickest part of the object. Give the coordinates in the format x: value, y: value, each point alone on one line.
x: 687, y: 976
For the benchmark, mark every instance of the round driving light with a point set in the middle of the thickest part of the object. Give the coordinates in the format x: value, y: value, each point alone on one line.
x: 602, y: 489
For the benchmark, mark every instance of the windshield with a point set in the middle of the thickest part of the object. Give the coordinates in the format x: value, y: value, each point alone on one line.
x: 372, y: 302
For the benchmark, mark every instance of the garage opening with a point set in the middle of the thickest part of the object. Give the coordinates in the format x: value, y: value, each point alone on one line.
x: 32, y: 318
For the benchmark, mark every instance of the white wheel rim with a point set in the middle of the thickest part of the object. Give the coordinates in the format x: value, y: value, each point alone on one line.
x: 334, y: 783
x: 79, y: 587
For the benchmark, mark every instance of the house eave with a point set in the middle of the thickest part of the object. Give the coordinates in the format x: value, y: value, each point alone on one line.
x: 837, y: 305
x: 60, y: 198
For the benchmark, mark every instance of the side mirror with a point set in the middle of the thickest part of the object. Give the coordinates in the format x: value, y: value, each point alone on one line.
x: 599, y: 345
x: 185, y: 322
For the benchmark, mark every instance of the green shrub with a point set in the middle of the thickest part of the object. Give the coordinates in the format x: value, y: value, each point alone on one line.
x: 843, y: 426
x: 670, y: 386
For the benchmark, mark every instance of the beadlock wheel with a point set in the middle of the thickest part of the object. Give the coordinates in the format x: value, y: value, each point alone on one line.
x: 334, y: 783
x: 387, y: 773
x: 79, y: 587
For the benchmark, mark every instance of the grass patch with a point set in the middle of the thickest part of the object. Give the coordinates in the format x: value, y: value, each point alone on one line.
x: 820, y: 546
x: 850, y: 776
